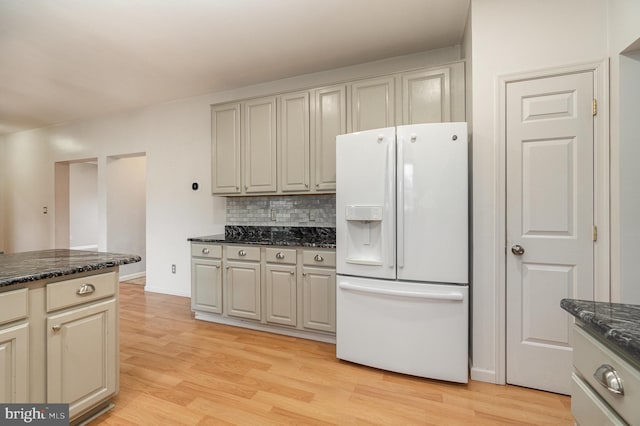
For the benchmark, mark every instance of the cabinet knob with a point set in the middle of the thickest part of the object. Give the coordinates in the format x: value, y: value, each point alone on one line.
x: 242, y: 253
x: 306, y: 185
x: 318, y: 258
x: 205, y: 250
x: 293, y: 273
x: 279, y: 255
x: 246, y: 187
x: 304, y: 274
x: 56, y: 327
x: 85, y: 289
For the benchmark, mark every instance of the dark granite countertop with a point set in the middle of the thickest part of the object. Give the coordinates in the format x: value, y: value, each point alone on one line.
x: 19, y: 268
x: 615, y: 323
x: 299, y: 236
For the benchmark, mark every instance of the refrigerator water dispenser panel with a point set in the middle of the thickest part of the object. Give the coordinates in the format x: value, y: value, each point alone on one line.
x: 364, y: 213
x: 364, y: 234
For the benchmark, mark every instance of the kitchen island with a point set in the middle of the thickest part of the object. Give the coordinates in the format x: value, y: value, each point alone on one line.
x: 59, y: 328
x: 606, y: 361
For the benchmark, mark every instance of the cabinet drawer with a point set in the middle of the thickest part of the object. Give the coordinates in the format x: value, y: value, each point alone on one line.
x: 14, y: 305
x: 587, y: 408
x: 588, y: 355
x: 80, y: 290
x: 319, y: 258
x: 279, y: 255
x: 206, y: 250
x: 243, y: 253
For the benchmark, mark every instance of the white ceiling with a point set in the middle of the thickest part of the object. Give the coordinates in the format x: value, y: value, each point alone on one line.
x: 64, y: 60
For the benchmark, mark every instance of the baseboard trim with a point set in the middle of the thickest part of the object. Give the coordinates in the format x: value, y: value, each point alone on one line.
x: 482, y: 375
x: 205, y: 316
x: 133, y: 276
x: 151, y: 289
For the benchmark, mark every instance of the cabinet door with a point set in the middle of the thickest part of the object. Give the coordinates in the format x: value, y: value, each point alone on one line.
x: 225, y: 149
x: 293, y: 136
x: 243, y: 289
x: 82, y: 354
x: 259, y: 145
x: 330, y: 120
x: 426, y: 96
x: 319, y: 294
x: 371, y: 104
x: 281, y: 294
x: 206, y: 285
x: 14, y: 364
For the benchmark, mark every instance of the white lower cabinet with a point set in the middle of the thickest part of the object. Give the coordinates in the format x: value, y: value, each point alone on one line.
x: 14, y: 346
x: 282, y: 290
x: 59, y: 343
x: 82, y: 354
x: 319, y: 294
x: 243, y: 289
x: 14, y: 363
x: 281, y: 295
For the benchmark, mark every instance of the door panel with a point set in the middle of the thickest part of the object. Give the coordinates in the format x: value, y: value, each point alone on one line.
x: 550, y: 215
x: 259, y: 145
x: 365, y: 215
x: 330, y: 121
x: 225, y: 131
x: 372, y: 104
x: 433, y: 203
x: 426, y: 96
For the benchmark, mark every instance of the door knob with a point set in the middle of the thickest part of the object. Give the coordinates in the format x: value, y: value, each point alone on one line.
x: 518, y: 250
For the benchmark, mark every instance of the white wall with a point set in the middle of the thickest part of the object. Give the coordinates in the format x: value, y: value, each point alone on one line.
x: 2, y: 201
x: 83, y: 205
x: 176, y: 139
x: 510, y: 37
x: 624, y: 29
x: 126, y: 211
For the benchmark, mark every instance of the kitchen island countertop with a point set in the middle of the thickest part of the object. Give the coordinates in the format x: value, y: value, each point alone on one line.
x: 20, y: 268
x: 617, y: 324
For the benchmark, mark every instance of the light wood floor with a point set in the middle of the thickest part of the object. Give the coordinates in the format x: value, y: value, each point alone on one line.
x: 179, y: 371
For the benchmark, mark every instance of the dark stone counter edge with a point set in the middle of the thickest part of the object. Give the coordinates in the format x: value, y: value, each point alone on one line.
x: 67, y: 271
x: 615, y: 323
x: 222, y: 240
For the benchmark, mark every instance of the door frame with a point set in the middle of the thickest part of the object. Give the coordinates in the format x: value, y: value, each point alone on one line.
x: 601, y: 213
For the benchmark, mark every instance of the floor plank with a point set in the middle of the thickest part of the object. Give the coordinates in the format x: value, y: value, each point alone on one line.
x: 179, y: 371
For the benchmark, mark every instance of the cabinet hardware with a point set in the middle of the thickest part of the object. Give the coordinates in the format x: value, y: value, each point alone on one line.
x: 56, y: 327
x: 279, y: 255
x: 205, y: 250
x: 304, y: 274
x: 242, y: 253
x: 608, y: 377
x: 318, y: 258
x: 85, y: 289
x: 292, y: 273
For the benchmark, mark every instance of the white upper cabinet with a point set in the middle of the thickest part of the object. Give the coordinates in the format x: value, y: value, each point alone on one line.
x: 286, y: 143
x: 433, y: 95
x: 225, y: 148
x: 293, y: 137
x: 259, y: 145
x: 371, y: 104
x: 330, y: 121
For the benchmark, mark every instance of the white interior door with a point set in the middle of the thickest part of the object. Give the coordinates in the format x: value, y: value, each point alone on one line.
x: 549, y: 140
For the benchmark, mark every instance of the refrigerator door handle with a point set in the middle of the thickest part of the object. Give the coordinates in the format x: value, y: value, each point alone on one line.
x: 389, y: 205
x: 400, y: 206
x: 449, y: 295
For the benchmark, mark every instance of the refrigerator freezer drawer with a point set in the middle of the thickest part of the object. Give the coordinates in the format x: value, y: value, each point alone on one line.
x: 412, y: 328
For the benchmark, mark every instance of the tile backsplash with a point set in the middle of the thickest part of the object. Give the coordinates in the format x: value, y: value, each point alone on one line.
x: 298, y: 210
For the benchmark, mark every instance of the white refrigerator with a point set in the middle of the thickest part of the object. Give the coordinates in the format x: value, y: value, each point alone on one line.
x: 402, y: 231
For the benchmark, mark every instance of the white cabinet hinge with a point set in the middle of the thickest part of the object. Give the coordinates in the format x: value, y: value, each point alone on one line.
x: 595, y: 106
x: 595, y: 233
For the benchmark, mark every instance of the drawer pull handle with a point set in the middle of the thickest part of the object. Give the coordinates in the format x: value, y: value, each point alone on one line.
x: 279, y: 255
x: 205, y: 251
x: 608, y: 377
x: 318, y: 258
x: 242, y: 253
x: 56, y: 327
x: 85, y: 289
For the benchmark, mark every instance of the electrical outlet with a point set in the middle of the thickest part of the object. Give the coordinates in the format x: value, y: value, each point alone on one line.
x: 173, y: 269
